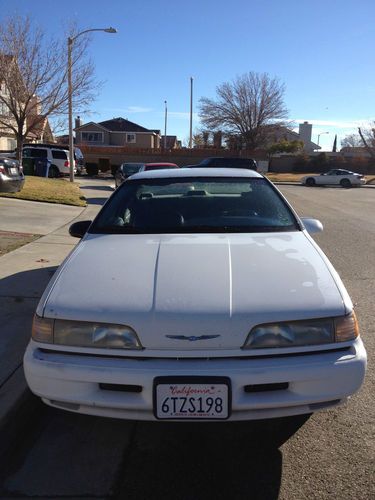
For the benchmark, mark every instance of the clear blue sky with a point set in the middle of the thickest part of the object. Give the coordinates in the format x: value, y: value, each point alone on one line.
x: 322, y: 50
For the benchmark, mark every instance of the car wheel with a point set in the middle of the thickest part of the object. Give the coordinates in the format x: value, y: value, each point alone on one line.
x: 345, y: 183
x: 310, y: 181
x: 53, y: 172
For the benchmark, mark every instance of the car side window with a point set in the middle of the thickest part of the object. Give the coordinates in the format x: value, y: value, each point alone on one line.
x: 34, y: 153
x: 59, y: 154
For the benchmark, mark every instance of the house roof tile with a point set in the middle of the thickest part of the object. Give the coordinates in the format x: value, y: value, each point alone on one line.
x: 123, y: 125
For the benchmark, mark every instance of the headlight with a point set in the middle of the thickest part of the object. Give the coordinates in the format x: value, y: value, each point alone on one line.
x: 85, y: 334
x: 303, y: 333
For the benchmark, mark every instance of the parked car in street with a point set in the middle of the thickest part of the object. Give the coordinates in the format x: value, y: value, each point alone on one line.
x: 226, y: 162
x: 207, y: 299
x: 11, y: 175
x: 58, y: 157
x: 158, y: 166
x: 335, y: 177
x: 126, y: 170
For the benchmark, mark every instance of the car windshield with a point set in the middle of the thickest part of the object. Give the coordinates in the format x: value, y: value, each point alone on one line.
x: 159, y: 167
x: 131, y: 168
x: 195, y: 205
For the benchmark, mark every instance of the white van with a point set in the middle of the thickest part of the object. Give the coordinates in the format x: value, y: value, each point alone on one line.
x: 57, y: 155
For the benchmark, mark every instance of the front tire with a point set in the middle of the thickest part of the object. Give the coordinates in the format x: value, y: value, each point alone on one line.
x: 345, y: 183
x: 310, y: 181
x: 53, y: 172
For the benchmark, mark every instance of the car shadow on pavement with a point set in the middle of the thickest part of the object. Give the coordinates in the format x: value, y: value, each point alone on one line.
x: 28, y: 284
x: 207, y: 461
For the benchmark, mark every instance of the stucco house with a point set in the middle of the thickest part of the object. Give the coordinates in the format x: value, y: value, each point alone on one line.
x: 116, y: 132
x: 304, y: 134
x: 35, y: 120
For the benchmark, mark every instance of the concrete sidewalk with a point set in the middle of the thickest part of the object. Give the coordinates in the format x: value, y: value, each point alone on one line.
x: 24, y: 274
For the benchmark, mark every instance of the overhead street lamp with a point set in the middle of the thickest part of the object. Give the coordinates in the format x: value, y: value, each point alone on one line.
x: 321, y: 133
x: 70, y: 92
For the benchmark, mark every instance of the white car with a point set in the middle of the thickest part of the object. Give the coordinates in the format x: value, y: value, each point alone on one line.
x: 335, y: 177
x: 196, y: 294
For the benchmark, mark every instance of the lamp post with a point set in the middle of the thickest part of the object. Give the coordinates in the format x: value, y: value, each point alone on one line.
x: 322, y: 133
x: 70, y: 92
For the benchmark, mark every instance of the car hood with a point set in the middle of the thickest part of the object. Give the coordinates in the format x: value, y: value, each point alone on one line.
x: 192, y: 285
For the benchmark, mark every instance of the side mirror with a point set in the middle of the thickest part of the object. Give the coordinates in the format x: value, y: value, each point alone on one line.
x: 312, y: 225
x: 79, y: 229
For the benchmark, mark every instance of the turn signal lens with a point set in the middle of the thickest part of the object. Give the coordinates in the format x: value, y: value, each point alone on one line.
x: 346, y: 328
x: 42, y: 329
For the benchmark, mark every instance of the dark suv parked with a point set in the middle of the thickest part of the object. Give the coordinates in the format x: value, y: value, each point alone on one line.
x: 227, y: 162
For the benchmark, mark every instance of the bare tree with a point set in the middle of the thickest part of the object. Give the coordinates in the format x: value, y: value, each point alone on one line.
x: 368, y: 140
x: 248, y: 107
x: 351, y: 141
x: 33, y: 77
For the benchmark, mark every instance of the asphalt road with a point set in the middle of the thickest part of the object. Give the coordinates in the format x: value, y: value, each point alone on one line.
x: 329, y: 456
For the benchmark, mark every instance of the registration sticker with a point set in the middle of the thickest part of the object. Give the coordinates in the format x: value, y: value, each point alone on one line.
x: 191, y: 399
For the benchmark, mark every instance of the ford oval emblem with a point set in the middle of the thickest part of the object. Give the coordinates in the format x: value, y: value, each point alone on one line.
x: 192, y: 338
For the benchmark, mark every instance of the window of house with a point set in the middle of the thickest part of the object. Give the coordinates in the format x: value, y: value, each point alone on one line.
x: 131, y: 138
x: 92, y: 136
x: 4, y: 110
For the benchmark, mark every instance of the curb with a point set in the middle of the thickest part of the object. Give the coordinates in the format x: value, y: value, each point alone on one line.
x: 17, y: 407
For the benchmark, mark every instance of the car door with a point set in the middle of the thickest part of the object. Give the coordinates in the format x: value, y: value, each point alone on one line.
x: 329, y: 178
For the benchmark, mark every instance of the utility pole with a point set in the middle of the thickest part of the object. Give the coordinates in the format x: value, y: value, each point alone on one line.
x: 165, y: 125
x: 191, y: 113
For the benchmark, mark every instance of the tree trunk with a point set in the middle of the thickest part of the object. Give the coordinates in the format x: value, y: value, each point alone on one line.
x: 20, y: 140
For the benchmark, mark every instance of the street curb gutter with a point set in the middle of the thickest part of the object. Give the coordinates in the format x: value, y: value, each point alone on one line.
x: 17, y: 407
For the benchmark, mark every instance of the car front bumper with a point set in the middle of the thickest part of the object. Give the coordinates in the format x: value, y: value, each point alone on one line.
x: 314, y: 381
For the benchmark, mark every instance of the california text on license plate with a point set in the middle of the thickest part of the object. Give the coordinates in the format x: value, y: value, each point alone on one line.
x: 192, y: 398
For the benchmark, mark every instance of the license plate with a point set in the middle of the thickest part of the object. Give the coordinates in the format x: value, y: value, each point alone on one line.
x: 192, y: 398
x: 13, y: 171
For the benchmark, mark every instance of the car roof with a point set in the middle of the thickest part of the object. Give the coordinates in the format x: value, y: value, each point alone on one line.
x: 159, y: 164
x: 197, y: 172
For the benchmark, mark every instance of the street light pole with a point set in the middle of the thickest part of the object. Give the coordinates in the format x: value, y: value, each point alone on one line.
x: 70, y: 93
x: 322, y: 133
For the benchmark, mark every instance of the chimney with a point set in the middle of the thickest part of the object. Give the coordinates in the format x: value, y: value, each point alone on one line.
x: 78, y: 122
x: 305, y: 132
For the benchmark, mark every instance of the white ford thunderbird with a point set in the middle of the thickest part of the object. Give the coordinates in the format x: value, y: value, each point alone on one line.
x: 195, y: 294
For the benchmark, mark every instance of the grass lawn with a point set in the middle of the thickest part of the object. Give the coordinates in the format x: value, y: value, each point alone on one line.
x: 9, y: 241
x: 289, y: 177
x: 50, y: 191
